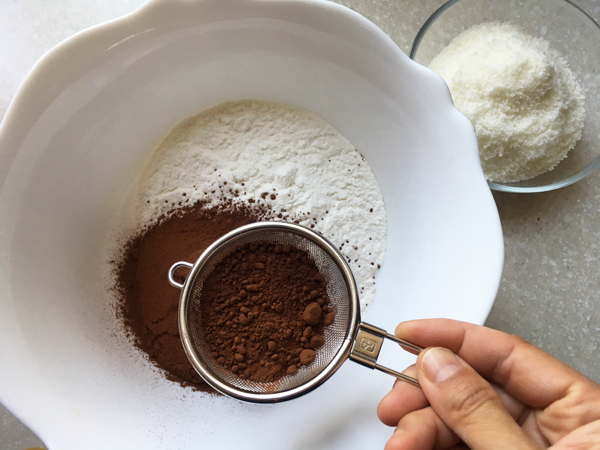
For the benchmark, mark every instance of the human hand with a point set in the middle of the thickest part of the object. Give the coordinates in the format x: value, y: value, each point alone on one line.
x: 530, y: 400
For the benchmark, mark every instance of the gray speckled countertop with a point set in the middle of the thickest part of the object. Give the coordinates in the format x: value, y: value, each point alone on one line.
x: 549, y: 292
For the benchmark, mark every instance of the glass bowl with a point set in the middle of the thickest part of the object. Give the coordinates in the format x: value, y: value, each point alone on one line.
x: 569, y: 30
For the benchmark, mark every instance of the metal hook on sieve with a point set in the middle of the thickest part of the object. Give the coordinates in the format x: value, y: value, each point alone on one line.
x: 174, y: 268
x: 352, y: 338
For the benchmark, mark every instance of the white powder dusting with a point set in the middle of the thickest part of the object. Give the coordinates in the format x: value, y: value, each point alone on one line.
x: 278, y: 155
x: 523, y: 100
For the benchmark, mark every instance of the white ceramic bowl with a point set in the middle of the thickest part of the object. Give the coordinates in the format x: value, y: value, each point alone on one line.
x: 75, y: 138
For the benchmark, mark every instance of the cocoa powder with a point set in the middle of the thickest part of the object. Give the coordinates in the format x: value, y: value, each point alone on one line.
x: 263, y: 311
x: 149, y: 303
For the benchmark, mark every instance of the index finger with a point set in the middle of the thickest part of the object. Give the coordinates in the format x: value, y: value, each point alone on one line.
x: 523, y: 370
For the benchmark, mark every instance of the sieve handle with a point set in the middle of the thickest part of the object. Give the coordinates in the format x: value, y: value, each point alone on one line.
x: 367, y: 346
x: 174, y: 268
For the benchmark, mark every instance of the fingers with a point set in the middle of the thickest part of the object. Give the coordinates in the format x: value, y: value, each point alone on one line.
x: 403, y: 399
x: 584, y: 438
x: 422, y: 430
x: 467, y: 403
x: 524, y: 371
x: 573, y: 412
x: 517, y: 410
x: 419, y: 425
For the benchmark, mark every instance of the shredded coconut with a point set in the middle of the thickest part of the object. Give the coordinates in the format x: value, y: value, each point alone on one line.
x: 273, y: 154
x: 523, y: 100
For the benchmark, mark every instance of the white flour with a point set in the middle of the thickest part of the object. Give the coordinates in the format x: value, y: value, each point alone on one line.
x: 278, y: 155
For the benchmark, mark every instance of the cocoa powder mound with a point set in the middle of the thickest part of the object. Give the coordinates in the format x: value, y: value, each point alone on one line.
x: 149, y: 303
x: 263, y: 310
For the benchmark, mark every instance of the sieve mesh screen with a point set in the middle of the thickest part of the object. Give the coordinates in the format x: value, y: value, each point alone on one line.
x: 334, y: 335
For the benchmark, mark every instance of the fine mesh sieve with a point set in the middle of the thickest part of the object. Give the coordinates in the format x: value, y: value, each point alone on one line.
x: 345, y: 338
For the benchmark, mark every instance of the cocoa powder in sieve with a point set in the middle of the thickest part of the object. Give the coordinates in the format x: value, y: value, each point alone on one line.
x: 148, y: 302
x: 263, y: 310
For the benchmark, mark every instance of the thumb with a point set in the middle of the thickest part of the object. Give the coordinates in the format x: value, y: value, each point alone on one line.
x: 467, y: 403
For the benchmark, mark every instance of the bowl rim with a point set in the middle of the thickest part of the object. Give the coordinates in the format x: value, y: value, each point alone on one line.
x: 495, y: 186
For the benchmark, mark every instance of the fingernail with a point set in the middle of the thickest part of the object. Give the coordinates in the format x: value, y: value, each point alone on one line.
x: 399, y: 430
x: 439, y: 364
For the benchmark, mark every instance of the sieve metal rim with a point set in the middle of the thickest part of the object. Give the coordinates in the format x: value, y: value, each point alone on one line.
x: 187, y: 291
